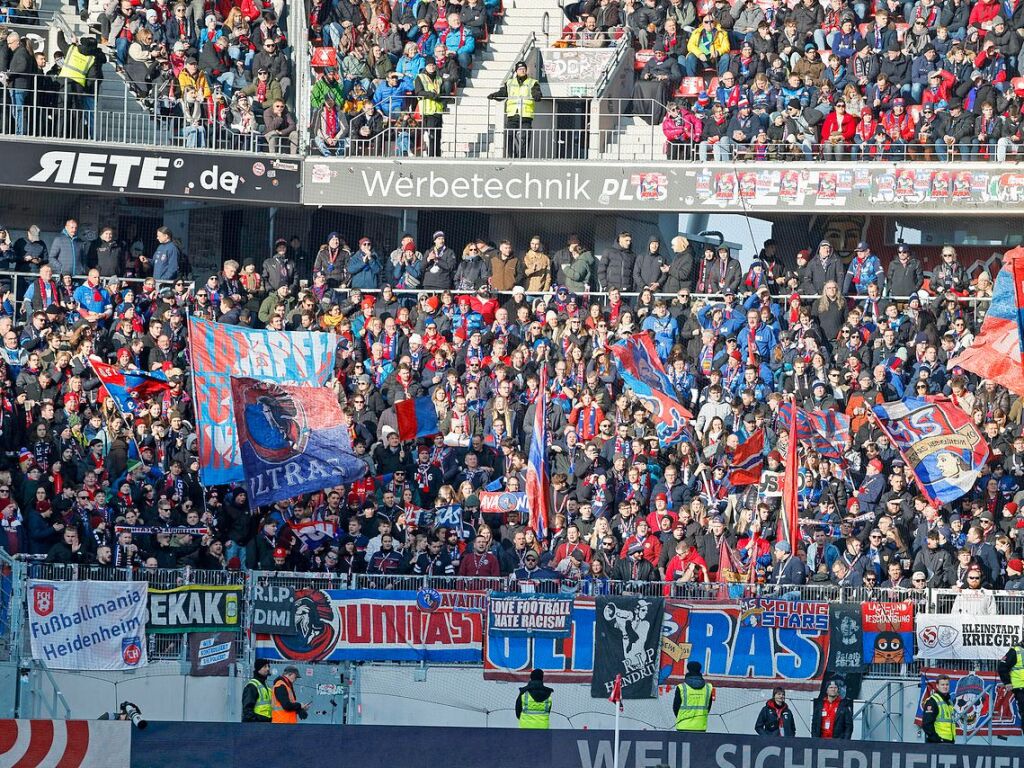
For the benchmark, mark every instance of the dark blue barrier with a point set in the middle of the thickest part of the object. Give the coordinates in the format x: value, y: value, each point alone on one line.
x: 226, y: 745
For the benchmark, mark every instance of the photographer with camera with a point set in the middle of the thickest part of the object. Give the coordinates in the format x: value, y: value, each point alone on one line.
x: 285, y: 707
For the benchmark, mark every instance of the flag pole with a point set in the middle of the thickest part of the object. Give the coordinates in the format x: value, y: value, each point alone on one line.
x: 616, y: 699
x: 615, y: 756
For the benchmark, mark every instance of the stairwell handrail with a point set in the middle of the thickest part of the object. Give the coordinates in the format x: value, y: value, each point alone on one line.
x: 529, y: 44
x: 622, y: 45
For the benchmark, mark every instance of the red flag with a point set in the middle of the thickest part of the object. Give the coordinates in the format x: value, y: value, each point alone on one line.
x: 789, y: 528
x: 748, y: 460
x: 616, y: 697
x: 996, y: 352
x: 729, y: 569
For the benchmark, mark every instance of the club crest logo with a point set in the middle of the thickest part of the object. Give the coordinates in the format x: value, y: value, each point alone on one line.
x: 42, y: 601
x: 273, y: 424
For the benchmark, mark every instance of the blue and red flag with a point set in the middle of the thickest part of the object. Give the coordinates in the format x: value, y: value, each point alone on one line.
x: 825, y: 431
x: 939, y: 442
x: 127, y: 388
x: 639, y: 366
x: 416, y: 417
x: 292, y: 439
x: 748, y: 460
x: 537, y: 465
x: 996, y: 351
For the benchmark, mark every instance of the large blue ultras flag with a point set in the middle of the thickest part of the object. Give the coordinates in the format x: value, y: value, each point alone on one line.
x: 640, y: 368
x: 939, y: 442
x: 127, y: 388
x: 217, y: 352
x: 292, y: 439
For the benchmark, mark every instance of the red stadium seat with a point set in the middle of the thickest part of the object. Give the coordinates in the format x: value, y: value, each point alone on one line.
x: 1018, y: 85
x: 642, y: 57
x: 914, y: 110
x: 690, y: 87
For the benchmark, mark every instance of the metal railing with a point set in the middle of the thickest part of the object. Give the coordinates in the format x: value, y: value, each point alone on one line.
x: 53, y: 112
x: 175, y: 646
x: 613, y: 129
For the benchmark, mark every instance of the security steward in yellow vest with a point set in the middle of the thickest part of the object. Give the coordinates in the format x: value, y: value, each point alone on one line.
x: 427, y: 88
x: 533, y: 707
x: 285, y: 707
x: 521, y: 94
x: 256, y: 706
x: 937, y: 721
x: 693, y: 699
x: 1011, y: 672
x: 79, y: 65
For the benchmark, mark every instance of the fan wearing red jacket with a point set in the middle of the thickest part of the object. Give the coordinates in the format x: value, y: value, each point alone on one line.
x: 572, y: 543
x: 837, y: 132
x: 650, y: 544
x: 686, y: 566
x: 864, y: 136
x: 897, y: 121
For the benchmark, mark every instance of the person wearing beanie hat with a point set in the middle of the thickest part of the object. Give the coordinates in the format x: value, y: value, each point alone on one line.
x: 692, y: 702
x: 787, y: 570
x: 533, y: 705
x: 256, y: 707
x: 520, y: 94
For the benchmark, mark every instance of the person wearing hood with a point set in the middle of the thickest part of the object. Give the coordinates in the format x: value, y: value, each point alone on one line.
x: 533, y: 706
x: 693, y: 700
x: 30, y: 250
x: 650, y: 268
x: 256, y: 707
x: 521, y: 94
x: 776, y: 718
x: 833, y: 716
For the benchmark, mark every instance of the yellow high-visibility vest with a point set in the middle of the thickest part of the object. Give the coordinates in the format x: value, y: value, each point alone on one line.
x: 520, y: 97
x: 693, y: 708
x: 1017, y: 673
x: 76, y: 66
x: 535, y: 714
x: 945, y: 728
x: 430, y: 105
x: 263, y: 697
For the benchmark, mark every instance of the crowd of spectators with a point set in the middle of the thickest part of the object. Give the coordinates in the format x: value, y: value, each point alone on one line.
x: 840, y: 79
x: 486, y: 318
x: 380, y: 61
x: 217, y: 76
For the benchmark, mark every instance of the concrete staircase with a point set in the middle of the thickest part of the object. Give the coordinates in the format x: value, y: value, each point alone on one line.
x: 474, y: 127
x: 638, y: 140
